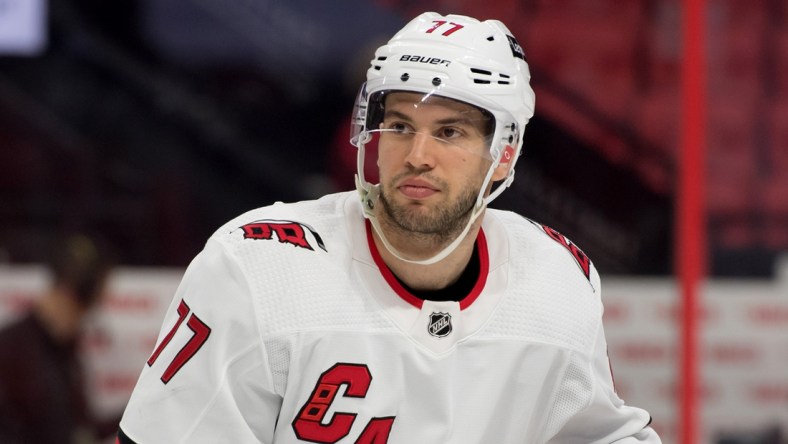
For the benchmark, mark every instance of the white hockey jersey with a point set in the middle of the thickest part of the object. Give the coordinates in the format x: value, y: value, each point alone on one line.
x: 288, y: 328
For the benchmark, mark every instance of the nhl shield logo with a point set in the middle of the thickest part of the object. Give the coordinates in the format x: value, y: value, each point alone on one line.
x: 440, y: 325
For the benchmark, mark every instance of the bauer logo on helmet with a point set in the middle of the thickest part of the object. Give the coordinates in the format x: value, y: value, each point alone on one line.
x: 423, y: 59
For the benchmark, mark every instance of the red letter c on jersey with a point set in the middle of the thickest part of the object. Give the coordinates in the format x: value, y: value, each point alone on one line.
x: 309, y: 425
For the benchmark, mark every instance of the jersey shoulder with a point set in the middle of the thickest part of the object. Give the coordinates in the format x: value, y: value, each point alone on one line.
x: 529, y: 238
x: 296, y: 262
x: 304, y: 225
x: 553, y: 288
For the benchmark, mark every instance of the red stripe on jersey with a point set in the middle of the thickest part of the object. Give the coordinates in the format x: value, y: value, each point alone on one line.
x: 484, y: 269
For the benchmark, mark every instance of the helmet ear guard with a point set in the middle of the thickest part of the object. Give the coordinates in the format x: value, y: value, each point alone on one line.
x: 508, y: 154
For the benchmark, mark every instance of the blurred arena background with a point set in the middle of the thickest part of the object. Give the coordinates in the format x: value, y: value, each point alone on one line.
x: 151, y: 122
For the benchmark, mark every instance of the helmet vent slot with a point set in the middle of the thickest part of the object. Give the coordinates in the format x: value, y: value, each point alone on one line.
x: 481, y: 72
x: 379, y: 59
x: 484, y: 77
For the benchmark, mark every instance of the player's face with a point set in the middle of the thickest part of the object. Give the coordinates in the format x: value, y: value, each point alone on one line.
x: 432, y: 157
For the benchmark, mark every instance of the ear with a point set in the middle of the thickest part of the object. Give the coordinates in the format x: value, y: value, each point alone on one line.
x: 506, y: 163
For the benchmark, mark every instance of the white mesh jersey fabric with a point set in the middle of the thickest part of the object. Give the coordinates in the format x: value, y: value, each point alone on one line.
x: 309, y: 343
x: 550, y: 300
x: 295, y: 288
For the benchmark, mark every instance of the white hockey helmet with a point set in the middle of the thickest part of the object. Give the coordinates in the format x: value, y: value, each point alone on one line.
x: 460, y: 58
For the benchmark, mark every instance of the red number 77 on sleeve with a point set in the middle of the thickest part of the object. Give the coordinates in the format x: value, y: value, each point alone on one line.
x: 200, y: 333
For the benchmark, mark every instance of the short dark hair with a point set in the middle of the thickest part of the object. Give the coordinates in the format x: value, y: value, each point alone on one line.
x: 81, y: 264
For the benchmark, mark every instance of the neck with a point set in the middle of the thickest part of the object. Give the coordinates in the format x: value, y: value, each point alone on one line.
x: 425, y: 277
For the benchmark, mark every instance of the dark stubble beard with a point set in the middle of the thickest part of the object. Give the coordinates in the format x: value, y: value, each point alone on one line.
x: 443, y: 224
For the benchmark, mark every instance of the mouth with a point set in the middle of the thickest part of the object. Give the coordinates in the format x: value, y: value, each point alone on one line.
x: 417, y: 189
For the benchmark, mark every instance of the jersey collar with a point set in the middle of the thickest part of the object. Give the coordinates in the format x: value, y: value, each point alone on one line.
x: 484, y: 268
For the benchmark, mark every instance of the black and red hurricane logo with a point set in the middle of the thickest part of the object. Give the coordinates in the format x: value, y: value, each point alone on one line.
x: 440, y: 324
x: 287, y: 232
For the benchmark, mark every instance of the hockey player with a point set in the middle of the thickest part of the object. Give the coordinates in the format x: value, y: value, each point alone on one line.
x: 412, y: 314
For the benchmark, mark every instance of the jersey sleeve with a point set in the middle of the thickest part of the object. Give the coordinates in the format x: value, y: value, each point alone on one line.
x: 208, y: 378
x: 606, y: 418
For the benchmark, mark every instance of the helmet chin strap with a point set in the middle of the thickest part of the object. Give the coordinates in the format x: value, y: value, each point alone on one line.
x: 370, y: 195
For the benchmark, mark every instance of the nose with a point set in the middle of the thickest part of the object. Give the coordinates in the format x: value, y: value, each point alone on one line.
x: 422, y: 151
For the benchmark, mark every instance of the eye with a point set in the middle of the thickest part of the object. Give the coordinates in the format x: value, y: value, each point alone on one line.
x: 450, y: 132
x: 397, y: 127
